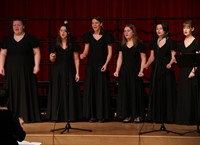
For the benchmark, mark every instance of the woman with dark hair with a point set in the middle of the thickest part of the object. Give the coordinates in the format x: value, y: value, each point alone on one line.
x: 64, y: 93
x: 162, y: 99
x: 10, y: 124
x: 20, y: 62
x: 188, y: 87
x: 98, y: 49
x: 129, y: 69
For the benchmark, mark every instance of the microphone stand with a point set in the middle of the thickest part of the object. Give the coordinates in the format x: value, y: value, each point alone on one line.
x: 162, y: 127
x: 197, y: 130
x: 67, y: 126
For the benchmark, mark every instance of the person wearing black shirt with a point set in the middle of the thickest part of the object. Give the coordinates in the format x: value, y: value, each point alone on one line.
x: 10, y: 124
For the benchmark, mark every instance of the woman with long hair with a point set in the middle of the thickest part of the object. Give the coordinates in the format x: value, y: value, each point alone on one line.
x: 63, y: 100
x: 129, y: 69
x: 98, y: 49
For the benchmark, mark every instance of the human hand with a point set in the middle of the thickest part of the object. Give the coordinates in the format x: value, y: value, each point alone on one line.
x: 36, y: 69
x: 140, y: 74
x: 77, y: 77
x: 21, y: 121
x: 116, y: 74
x: 2, y: 71
x: 168, y: 66
x: 191, y: 75
x: 52, y: 57
x: 82, y: 56
x: 104, y: 68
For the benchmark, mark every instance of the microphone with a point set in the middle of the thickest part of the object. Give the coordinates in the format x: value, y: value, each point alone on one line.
x: 67, y: 26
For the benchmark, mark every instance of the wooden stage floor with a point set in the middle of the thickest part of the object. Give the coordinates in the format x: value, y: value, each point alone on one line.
x: 111, y: 133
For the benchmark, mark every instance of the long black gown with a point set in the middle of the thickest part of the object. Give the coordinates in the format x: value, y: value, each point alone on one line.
x: 96, y: 101
x: 188, y: 89
x: 64, y: 96
x: 20, y: 80
x: 131, y: 92
x: 162, y: 101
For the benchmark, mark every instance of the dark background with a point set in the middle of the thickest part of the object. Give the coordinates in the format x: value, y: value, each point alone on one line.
x: 43, y: 18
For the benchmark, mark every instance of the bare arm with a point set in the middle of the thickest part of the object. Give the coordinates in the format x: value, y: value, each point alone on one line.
x: 119, y: 63
x: 104, y: 68
x: 143, y: 62
x: 37, y: 57
x: 173, y: 59
x: 150, y: 60
x: 85, y: 52
x: 3, y: 54
x: 77, y: 64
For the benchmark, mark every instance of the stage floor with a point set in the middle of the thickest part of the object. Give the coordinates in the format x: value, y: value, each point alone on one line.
x: 111, y: 133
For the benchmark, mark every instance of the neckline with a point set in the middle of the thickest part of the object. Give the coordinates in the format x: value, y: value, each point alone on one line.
x: 20, y: 39
x: 189, y: 44
x: 162, y: 45
x: 95, y: 38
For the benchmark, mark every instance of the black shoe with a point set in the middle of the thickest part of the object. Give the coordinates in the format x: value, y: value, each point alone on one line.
x: 101, y: 120
x: 93, y: 120
x: 117, y: 118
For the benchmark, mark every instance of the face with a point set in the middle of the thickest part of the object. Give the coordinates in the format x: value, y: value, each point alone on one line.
x: 187, y: 30
x: 62, y: 32
x: 18, y: 27
x: 159, y: 30
x: 128, y: 33
x: 96, y: 25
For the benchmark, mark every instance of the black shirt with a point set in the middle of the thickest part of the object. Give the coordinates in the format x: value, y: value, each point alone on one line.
x: 11, y: 130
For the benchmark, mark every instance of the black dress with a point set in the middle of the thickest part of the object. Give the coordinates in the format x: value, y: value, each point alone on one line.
x: 64, y: 96
x: 96, y: 101
x: 20, y: 80
x: 162, y: 101
x: 11, y: 130
x: 188, y: 89
x: 131, y: 91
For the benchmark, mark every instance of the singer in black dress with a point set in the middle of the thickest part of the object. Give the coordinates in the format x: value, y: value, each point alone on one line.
x: 188, y: 84
x: 64, y: 96
x: 98, y: 48
x: 21, y: 55
x: 130, y: 66
x: 162, y: 96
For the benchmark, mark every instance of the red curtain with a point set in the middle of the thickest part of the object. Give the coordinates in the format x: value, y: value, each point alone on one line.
x: 104, y: 8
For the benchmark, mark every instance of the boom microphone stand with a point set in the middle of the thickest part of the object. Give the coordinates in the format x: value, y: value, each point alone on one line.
x: 162, y: 127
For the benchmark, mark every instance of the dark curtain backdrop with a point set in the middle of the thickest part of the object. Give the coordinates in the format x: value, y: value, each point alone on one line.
x: 45, y: 16
x: 104, y: 8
